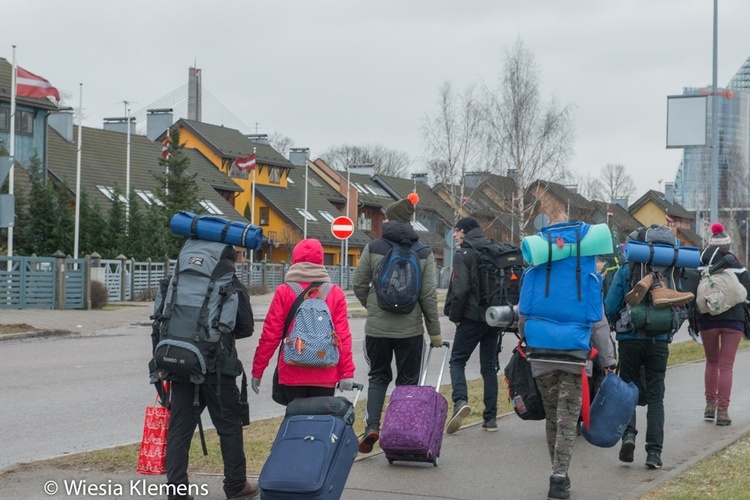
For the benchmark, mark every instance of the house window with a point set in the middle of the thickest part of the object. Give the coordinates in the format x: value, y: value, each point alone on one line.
x: 326, y: 215
x: 211, y: 208
x: 24, y: 122
x: 313, y: 182
x: 418, y: 226
x: 364, y: 223
x: 307, y: 215
x: 274, y: 175
x: 264, y: 216
x: 4, y: 119
x: 148, y: 197
x: 109, y: 192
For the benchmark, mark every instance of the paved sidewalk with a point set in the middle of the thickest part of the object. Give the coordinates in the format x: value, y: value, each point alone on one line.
x: 511, y: 463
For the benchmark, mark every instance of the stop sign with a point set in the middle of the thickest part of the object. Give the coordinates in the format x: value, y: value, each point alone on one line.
x: 342, y: 227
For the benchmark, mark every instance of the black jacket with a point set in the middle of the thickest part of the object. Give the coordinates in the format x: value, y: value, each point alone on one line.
x: 462, y: 300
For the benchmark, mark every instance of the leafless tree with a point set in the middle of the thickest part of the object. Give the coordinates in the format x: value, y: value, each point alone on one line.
x: 616, y: 182
x: 590, y: 187
x: 281, y: 143
x: 530, y: 137
x: 453, y: 140
x: 386, y: 161
x: 288, y: 239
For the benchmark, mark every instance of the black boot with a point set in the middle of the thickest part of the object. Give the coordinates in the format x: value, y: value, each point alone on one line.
x: 557, y: 488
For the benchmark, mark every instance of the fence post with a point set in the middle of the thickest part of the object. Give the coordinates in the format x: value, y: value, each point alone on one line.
x: 87, y: 282
x: 263, y: 274
x: 132, y: 279
x: 59, y: 280
x: 148, y: 280
x: 123, y: 276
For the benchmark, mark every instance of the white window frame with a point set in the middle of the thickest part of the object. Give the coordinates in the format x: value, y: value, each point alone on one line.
x: 326, y: 215
x: 109, y: 192
x: 210, y: 207
x: 307, y: 215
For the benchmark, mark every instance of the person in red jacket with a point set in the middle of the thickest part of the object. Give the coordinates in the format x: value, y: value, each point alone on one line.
x: 301, y: 381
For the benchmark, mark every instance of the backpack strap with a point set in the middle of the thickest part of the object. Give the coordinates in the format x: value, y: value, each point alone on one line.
x: 324, y: 290
x: 578, y: 262
x: 301, y: 294
x: 549, y: 265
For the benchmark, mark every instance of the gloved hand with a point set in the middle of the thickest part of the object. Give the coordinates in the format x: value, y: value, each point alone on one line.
x: 436, y: 340
x: 346, y: 384
x: 255, y: 385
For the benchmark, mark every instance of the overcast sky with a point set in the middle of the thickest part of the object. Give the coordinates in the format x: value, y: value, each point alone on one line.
x: 358, y: 72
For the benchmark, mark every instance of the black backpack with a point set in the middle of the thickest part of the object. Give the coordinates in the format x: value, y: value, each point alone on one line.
x: 398, y: 279
x: 194, y: 315
x: 522, y: 389
x: 500, y: 273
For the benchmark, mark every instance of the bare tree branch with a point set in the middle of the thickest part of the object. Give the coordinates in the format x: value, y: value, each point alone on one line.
x: 386, y: 161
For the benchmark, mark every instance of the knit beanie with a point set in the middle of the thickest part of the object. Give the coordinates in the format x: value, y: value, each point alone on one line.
x: 402, y: 210
x: 467, y: 224
x: 719, y: 238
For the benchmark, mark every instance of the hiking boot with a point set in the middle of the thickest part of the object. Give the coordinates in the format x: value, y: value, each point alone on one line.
x: 653, y: 460
x: 722, y: 417
x: 371, y: 436
x: 627, y: 448
x: 490, y: 425
x: 557, y: 487
x: 567, y: 482
x: 661, y: 296
x: 461, y: 410
x: 250, y: 490
x: 710, y: 412
x: 635, y: 296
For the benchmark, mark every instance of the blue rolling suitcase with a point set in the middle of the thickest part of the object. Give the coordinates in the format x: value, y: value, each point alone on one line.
x: 310, y: 458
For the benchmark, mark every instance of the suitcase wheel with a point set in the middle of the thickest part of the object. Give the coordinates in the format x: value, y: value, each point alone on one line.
x: 436, y: 460
x: 390, y: 461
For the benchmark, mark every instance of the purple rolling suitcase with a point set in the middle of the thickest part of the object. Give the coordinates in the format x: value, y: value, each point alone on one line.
x: 414, y: 420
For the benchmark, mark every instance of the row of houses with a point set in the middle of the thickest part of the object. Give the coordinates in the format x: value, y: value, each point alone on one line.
x: 278, y: 197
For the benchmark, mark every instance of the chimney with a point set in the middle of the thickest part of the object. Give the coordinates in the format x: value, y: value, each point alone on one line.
x: 472, y: 179
x: 157, y: 122
x: 195, y: 91
x: 365, y: 168
x: 421, y: 177
x: 299, y: 156
x: 62, y: 122
x: 120, y: 124
x: 513, y: 174
x: 623, y: 202
x: 669, y: 191
x: 258, y: 138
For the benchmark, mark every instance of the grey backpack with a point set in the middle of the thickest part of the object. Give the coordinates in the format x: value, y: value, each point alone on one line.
x: 196, y: 315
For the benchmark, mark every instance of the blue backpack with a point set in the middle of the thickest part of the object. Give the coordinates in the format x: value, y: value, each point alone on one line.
x: 398, y: 279
x: 313, y: 341
x: 561, y: 299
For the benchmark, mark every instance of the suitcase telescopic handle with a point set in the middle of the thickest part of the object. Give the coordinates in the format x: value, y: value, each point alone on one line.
x: 355, y: 387
x: 423, y: 378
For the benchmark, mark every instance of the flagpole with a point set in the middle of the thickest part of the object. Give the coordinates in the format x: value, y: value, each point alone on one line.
x: 12, y: 151
x: 78, y: 174
x: 127, y: 169
x: 252, y: 212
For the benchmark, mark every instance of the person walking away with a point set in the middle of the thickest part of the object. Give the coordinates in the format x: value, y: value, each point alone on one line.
x: 721, y: 334
x: 389, y: 333
x: 304, y: 381
x: 462, y: 306
x: 643, y: 343
x: 560, y: 385
x: 218, y: 392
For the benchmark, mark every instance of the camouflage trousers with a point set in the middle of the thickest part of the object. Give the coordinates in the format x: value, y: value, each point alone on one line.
x: 561, y: 397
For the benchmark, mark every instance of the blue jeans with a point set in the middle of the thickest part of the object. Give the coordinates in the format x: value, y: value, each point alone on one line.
x: 653, y: 357
x: 468, y: 334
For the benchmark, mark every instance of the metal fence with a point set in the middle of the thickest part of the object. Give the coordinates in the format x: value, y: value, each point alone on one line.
x: 37, y: 282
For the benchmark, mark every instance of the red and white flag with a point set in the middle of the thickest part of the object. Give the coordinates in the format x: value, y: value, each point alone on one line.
x: 165, y: 154
x: 610, y: 212
x: 669, y: 218
x: 246, y: 163
x: 30, y: 85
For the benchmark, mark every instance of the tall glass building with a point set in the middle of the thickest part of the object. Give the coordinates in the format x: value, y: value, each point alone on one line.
x: 692, y: 182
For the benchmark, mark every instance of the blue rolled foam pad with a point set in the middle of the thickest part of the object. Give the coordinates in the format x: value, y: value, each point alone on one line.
x: 596, y: 241
x: 210, y: 228
x: 662, y: 255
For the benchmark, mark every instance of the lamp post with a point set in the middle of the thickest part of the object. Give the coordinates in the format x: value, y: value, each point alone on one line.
x: 747, y: 240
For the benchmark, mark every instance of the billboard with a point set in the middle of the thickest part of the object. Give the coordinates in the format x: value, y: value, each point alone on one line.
x: 686, y: 121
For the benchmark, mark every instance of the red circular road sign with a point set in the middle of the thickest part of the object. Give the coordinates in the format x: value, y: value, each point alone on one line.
x: 342, y: 227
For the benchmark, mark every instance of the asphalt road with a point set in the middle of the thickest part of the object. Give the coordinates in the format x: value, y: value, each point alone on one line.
x: 75, y: 393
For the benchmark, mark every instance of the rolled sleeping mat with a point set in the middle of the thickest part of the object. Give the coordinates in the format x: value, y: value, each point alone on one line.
x: 662, y: 255
x: 597, y: 240
x: 211, y: 228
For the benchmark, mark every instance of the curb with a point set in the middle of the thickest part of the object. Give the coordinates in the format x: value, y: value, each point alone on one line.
x: 35, y: 334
